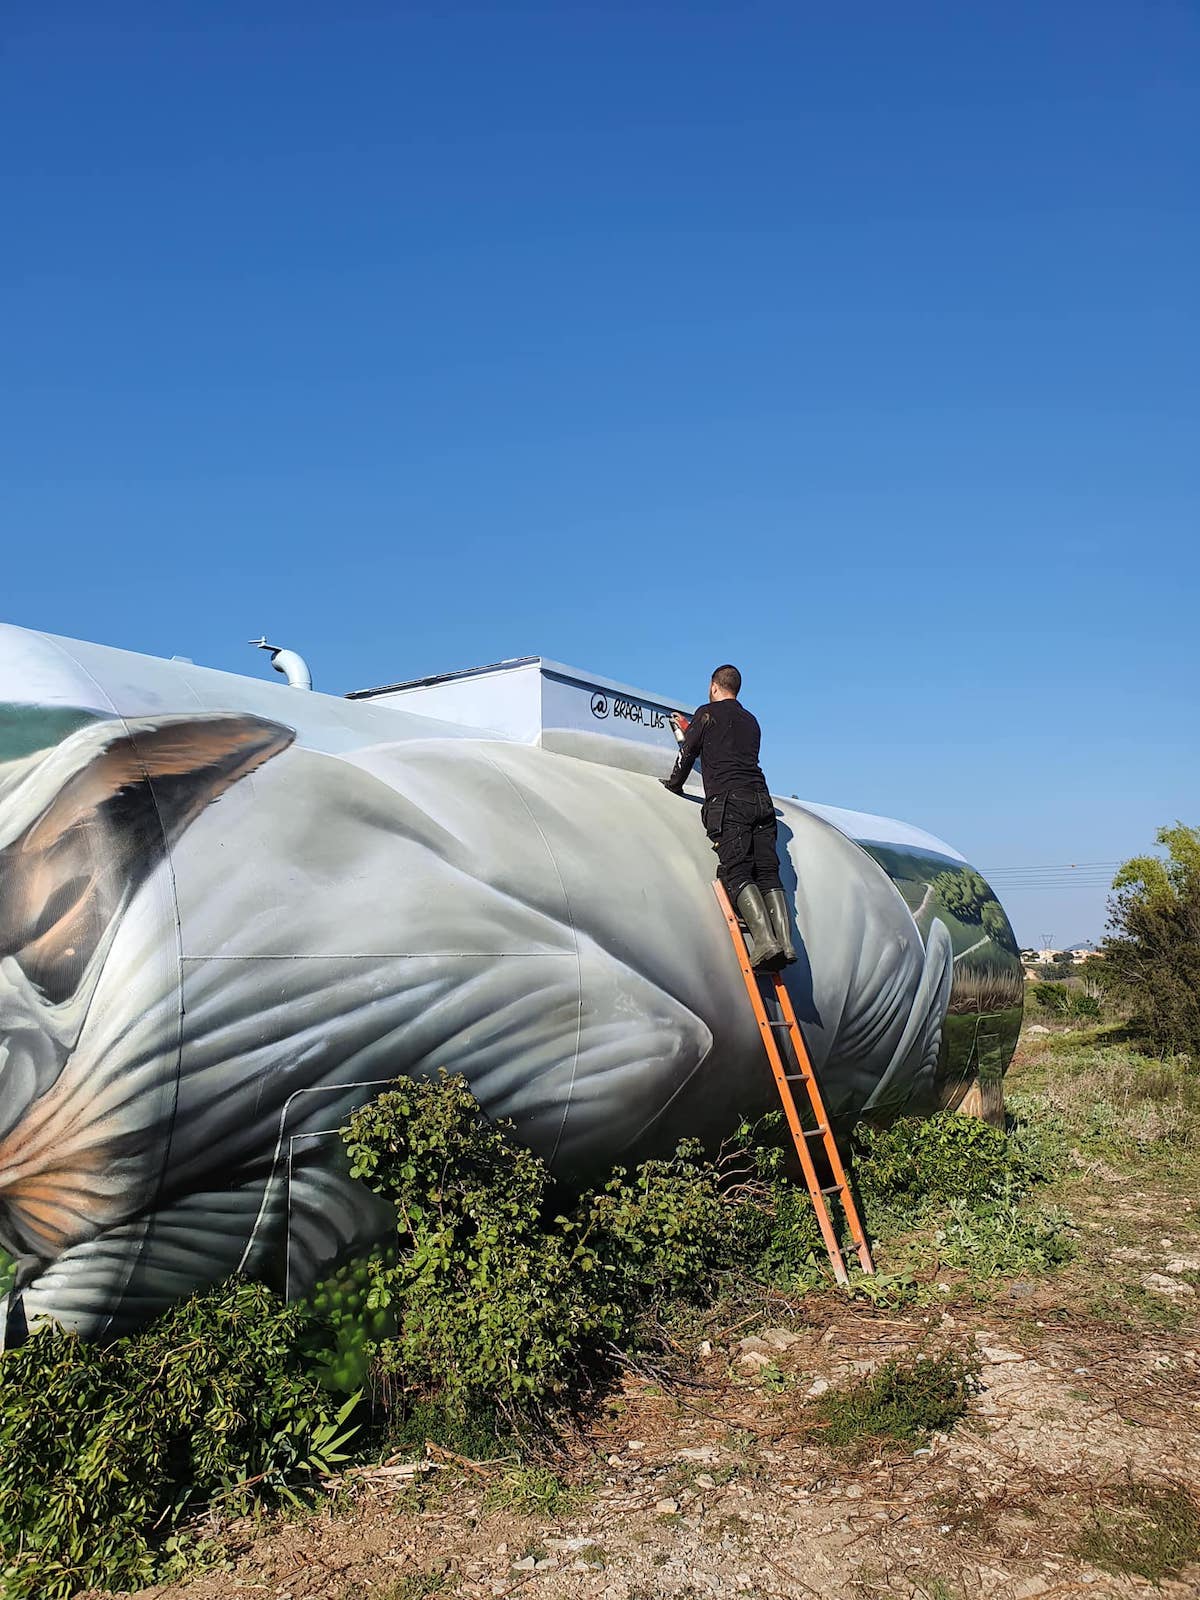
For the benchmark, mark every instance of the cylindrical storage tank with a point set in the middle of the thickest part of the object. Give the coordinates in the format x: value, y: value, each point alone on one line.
x: 230, y: 913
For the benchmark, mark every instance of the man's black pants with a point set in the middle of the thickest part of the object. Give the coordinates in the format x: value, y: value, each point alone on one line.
x: 741, y: 825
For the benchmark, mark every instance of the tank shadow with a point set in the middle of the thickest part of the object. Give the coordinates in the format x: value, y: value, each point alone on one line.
x: 799, y: 977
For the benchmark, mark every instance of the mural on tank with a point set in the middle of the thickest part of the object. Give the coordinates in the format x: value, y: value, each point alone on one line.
x: 987, y: 995
x: 231, y: 912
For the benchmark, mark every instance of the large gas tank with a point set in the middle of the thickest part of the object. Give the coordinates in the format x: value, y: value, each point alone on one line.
x: 231, y: 911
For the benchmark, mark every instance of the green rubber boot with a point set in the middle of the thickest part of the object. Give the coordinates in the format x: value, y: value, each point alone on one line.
x: 765, y: 950
x: 777, y: 909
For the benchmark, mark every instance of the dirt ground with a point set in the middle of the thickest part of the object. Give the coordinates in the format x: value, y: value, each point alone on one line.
x: 702, y: 1481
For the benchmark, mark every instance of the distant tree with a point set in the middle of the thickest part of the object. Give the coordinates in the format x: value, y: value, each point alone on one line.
x: 1151, y: 963
x: 1060, y: 966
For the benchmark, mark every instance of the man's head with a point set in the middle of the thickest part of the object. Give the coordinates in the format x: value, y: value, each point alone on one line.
x: 726, y: 683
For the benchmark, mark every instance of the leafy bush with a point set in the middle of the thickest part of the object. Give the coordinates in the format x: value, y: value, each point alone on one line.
x: 974, y: 1181
x: 908, y: 1398
x: 905, y: 1170
x: 1151, y: 963
x: 1001, y: 1238
x: 105, y: 1451
x: 489, y: 1304
x: 1050, y: 996
x: 495, y: 1302
x: 1061, y: 1000
x: 346, y: 1328
x: 659, y: 1234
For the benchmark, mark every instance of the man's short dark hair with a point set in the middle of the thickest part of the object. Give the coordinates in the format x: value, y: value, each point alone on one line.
x: 728, y: 678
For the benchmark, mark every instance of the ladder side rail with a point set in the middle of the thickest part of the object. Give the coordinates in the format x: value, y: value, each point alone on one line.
x: 785, y: 1090
x: 820, y: 1111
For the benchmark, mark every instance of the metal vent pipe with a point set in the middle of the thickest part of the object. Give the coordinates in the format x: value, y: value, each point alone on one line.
x: 289, y: 662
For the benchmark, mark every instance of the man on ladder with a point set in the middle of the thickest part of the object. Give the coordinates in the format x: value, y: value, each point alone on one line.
x: 738, y: 815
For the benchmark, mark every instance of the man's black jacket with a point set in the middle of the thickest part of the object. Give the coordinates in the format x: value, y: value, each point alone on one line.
x: 725, y: 737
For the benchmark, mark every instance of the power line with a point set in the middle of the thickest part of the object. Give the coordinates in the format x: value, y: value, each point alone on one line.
x: 1062, y: 866
x: 1056, y: 876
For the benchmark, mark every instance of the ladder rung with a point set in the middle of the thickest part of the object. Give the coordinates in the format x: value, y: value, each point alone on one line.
x: 799, y: 1048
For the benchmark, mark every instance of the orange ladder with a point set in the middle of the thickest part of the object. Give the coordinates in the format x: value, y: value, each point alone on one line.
x: 783, y: 1082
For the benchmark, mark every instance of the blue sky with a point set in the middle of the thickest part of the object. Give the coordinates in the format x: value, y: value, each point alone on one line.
x: 856, y: 343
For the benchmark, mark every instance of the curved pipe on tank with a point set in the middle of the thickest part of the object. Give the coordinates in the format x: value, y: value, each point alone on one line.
x: 292, y: 665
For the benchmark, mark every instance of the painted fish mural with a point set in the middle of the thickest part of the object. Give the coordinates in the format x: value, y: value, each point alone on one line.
x: 230, y: 913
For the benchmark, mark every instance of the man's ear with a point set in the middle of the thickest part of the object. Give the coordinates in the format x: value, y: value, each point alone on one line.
x: 91, y: 818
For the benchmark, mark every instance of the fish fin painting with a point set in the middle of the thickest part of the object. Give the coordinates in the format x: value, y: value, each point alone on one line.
x: 224, y: 928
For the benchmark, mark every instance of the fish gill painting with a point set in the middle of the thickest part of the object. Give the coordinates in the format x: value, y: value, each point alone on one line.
x: 231, y: 913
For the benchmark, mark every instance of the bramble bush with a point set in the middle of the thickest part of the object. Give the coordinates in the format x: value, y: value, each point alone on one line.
x: 106, y: 1451
x: 496, y: 1301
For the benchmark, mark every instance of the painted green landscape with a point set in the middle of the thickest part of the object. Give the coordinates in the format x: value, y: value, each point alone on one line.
x: 987, y: 999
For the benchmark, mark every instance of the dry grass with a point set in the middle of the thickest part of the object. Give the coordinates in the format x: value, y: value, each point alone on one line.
x: 1111, y: 1093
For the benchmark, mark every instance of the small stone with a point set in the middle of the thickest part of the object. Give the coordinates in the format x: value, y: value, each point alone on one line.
x: 755, y: 1359
x: 666, y: 1508
x: 705, y: 1481
x: 995, y: 1356
x: 1183, y: 1264
x: 817, y: 1387
x: 1037, y: 1028
x: 1174, y: 1287
x: 704, y: 1349
x: 525, y: 1564
x: 636, y: 1444
x: 781, y: 1338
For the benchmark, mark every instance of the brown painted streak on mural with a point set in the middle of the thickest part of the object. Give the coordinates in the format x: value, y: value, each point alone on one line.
x: 58, y: 1180
x: 224, y: 748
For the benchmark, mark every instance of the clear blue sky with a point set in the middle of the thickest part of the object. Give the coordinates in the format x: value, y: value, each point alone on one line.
x: 853, y: 342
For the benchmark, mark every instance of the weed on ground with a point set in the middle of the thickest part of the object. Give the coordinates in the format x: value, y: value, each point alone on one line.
x: 1143, y: 1530
x: 908, y: 1399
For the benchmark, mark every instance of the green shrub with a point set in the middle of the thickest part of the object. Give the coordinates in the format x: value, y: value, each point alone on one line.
x: 907, y: 1399
x: 105, y: 1451
x: 1050, y: 996
x: 497, y: 1303
x: 490, y: 1304
x: 662, y: 1233
x: 1003, y: 1239
x: 1151, y: 966
x: 906, y: 1170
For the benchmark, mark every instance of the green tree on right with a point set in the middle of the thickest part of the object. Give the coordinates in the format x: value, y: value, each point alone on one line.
x: 1151, y: 964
